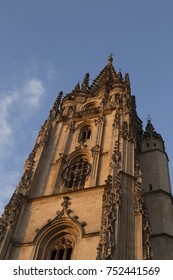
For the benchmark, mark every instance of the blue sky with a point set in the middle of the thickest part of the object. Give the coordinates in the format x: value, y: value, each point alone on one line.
x: 49, y: 45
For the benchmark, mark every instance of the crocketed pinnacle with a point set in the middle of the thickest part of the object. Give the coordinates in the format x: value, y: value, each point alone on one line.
x: 150, y: 128
x: 110, y: 58
x: 150, y: 131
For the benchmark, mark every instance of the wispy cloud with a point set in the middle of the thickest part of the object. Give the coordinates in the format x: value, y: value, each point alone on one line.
x: 51, y: 74
x: 33, y: 90
x: 17, y: 106
x: 14, y: 103
x: 7, y: 187
x: 22, y: 94
x: 6, y: 129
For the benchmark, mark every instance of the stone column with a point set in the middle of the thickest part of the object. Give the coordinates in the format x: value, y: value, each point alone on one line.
x: 96, y: 152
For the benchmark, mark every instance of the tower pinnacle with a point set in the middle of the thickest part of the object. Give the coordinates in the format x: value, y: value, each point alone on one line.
x: 110, y: 58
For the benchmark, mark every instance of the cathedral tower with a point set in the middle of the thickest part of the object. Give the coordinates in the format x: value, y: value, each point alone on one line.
x: 93, y: 182
x: 157, y: 191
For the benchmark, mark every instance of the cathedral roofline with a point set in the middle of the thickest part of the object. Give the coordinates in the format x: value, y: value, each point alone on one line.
x: 108, y: 77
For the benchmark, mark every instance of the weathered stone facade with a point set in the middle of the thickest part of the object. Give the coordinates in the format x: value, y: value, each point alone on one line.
x: 94, y: 183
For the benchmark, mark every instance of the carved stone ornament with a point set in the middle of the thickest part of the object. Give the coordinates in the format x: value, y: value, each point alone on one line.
x: 116, y: 122
x: 139, y: 201
x: 10, y: 214
x: 82, y: 145
x: 45, y: 131
x: 124, y: 130
x: 55, y: 109
x: 101, y: 119
x: 128, y: 132
x: 147, y: 248
x: 119, y: 78
x: 65, y: 204
x: 127, y: 79
x: 85, y: 83
x: 62, y: 157
x: 72, y: 126
x: 62, y: 243
x: 12, y: 209
x: 28, y: 169
x: 76, y: 89
x: 96, y: 149
x: 111, y: 201
x: 66, y: 212
x: 132, y: 133
x: 116, y: 157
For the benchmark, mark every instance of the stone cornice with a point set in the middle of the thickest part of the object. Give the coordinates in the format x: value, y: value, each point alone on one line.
x: 157, y: 192
x: 26, y: 244
x: 153, y: 150
x: 162, y: 235
x: 64, y: 193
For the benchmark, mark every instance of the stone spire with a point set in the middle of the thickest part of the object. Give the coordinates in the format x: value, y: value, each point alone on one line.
x: 110, y: 58
x: 85, y: 83
x: 150, y: 130
x: 151, y: 133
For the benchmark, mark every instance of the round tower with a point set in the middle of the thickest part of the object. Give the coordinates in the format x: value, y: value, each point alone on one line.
x: 157, y: 191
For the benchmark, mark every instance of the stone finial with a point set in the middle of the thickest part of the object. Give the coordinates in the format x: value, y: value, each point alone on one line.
x: 55, y: 109
x: 150, y: 128
x: 76, y: 88
x: 65, y: 204
x: 127, y: 79
x: 85, y: 83
x: 110, y: 58
x: 133, y: 102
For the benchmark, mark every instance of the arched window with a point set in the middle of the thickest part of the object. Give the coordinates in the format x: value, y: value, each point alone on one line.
x: 85, y: 133
x: 75, y: 174
x: 60, y: 237
x: 62, y: 250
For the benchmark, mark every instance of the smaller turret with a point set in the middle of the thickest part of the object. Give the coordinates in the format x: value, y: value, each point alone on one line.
x: 157, y: 191
x: 151, y: 139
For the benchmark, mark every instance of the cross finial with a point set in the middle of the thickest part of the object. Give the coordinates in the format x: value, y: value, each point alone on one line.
x: 110, y: 58
x: 149, y: 119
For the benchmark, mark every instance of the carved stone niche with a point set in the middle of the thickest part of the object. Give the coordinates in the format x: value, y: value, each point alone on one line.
x: 139, y: 201
x: 147, y: 248
x: 116, y: 156
x: 111, y: 201
x: 124, y: 130
x: 117, y: 118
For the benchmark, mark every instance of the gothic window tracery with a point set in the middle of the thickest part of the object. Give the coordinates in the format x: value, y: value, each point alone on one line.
x: 75, y: 174
x: 62, y: 250
x: 85, y: 133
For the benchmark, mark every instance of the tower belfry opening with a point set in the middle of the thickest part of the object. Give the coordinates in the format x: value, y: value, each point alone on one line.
x: 102, y: 178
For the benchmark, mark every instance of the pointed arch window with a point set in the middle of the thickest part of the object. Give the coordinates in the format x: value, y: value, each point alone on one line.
x: 62, y: 250
x: 75, y: 174
x: 85, y: 133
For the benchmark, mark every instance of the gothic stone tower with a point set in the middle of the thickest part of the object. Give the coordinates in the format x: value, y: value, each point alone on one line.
x: 95, y: 186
